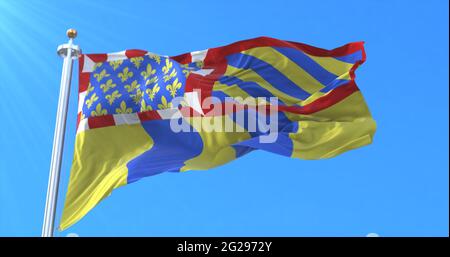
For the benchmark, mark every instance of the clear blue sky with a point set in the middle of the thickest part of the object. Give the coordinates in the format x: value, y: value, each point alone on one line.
x: 398, y: 186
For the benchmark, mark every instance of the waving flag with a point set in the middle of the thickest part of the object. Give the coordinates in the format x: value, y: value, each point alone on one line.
x: 142, y: 114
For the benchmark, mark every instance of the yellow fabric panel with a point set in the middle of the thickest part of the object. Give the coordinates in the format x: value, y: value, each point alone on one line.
x: 99, y: 166
x: 348, y: 109
x: 217, y: 149
x: 251, y: 76
x: 332, y: 65
x: 287, y: 67
x: 339, y: 128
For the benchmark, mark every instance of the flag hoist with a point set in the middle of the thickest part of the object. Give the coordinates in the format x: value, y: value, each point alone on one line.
x: 69, y: 52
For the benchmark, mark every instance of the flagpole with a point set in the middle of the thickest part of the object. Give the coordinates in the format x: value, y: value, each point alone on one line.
x: 69, y: 52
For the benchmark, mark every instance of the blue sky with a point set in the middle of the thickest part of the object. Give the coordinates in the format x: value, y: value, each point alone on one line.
x: 398, y: 186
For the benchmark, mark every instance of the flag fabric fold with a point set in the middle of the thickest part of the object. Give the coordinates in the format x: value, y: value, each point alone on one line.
x: 141, y: 114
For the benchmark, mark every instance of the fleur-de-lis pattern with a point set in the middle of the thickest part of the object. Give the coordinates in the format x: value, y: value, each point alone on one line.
x: 125, y: 74
x: 145, y: 107
x: 173, y: 88
x: 137, y: 61
x: 149, y: 71
x: 113, y: 96
x: 133, y: 85
x: 164, y: 104
x: 115, y: 64
x: 99, y: 111
x: 155, y: 57
x: 168, y: 77
x: 137, y: 97
x: 90, y: 88
x: 151, y: 92
x: 186, y: 72
x: 96, y: 65
x: 168, y: 66
x: 101, y: 75
x: 107, y: 86
x: 92, y: 99
x: 123, y: 109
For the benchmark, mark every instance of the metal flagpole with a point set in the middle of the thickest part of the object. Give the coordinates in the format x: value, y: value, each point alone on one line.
x: 69, y: 52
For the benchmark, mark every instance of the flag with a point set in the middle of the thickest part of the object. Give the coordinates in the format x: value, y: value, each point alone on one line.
x: 141, y: 114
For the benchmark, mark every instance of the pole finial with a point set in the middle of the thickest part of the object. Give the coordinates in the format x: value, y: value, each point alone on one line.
x: 71, y: 33
x: 64, y: 49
